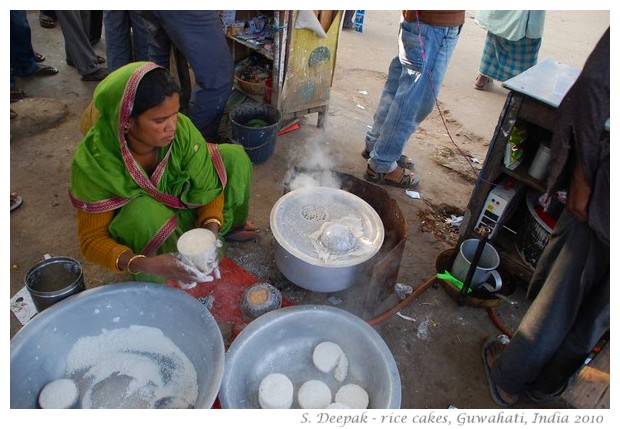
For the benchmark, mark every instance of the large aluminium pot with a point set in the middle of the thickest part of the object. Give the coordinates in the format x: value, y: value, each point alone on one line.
x: 324, y: 237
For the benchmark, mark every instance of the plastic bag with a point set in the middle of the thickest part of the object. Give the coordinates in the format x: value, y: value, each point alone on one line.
x: 513, y: 154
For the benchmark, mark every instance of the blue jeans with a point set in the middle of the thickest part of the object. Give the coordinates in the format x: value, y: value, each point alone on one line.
x: 413, y: 83
x: 199, y: 37
x: 126, y: 38
x: 22, y: 54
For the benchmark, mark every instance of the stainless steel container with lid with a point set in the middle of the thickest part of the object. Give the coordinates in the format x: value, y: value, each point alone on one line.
x: 324, y: 237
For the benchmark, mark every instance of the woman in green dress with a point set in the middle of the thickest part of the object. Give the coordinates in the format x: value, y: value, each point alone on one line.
x: 143, y: 175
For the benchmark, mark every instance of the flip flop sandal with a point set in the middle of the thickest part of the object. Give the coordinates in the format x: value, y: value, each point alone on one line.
x: 17, y: 94
x: 95, y: 76
x: 493, y: 389
x: 46, y: 22
x: 39, y: 58
x: 99, y: 60
x: 541, y: 397
x: 482, y: 82
x: 407, y: 180
x: 403, y: 161
x: 16, y: 200
x: 44, y: 71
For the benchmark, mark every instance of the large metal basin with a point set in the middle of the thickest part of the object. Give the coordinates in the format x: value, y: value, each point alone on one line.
x: 39, y: 350
x: 283, y: 341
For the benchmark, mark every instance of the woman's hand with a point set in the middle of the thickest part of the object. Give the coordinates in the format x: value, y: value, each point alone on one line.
x: 166, y: 266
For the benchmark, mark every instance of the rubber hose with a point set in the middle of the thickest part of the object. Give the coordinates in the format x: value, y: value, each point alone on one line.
x: 381, y: 318
x: 498, y: 323
x: 428, y: 283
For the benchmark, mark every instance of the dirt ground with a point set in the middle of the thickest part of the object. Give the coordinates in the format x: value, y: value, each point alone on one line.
x: 436, y: 344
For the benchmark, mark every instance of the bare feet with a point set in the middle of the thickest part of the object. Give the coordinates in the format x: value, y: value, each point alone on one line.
x: 246, y: 232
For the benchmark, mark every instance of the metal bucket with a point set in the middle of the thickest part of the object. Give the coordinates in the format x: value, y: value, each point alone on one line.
x: 53, y: 279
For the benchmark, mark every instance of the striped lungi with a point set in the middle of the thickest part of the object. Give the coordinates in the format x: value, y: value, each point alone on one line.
x: 503, y: 59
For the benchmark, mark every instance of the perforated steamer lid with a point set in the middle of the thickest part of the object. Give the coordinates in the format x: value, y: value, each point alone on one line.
x: 326, y: 226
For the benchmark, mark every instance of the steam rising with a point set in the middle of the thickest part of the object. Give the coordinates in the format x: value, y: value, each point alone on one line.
x: 312, y: 167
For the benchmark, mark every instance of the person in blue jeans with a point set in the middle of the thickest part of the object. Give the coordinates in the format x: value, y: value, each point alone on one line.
x: 24, y: 60
x: 126, y: 38
x: 426, y: 41
x: 198, y: 35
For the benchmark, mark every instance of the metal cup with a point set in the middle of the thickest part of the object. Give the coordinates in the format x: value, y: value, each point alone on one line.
x: 485, y: 268
x: 493, y: 283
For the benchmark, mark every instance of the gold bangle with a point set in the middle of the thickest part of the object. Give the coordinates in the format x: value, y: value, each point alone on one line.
x: 118, y: 259
x: 130, y: 261
x: 212, y: 220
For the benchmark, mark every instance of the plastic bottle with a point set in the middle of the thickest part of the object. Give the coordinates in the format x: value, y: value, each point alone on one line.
x: 538, y: 167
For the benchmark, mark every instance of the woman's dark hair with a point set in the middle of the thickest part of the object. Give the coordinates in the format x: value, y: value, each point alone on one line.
x: 152, y: 90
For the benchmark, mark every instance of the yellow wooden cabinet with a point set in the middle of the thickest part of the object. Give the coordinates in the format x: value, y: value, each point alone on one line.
x: 302, y: 59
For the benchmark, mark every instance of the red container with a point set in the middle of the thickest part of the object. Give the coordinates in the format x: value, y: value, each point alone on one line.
x: 268, y: 88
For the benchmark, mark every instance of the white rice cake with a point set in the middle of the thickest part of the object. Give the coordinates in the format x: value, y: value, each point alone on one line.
x: 314, y: 394
x: 59, y: 394
x: 353, y: 395
x: 329, y: 356
x: 338, y: 406
x: 275, y: 392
